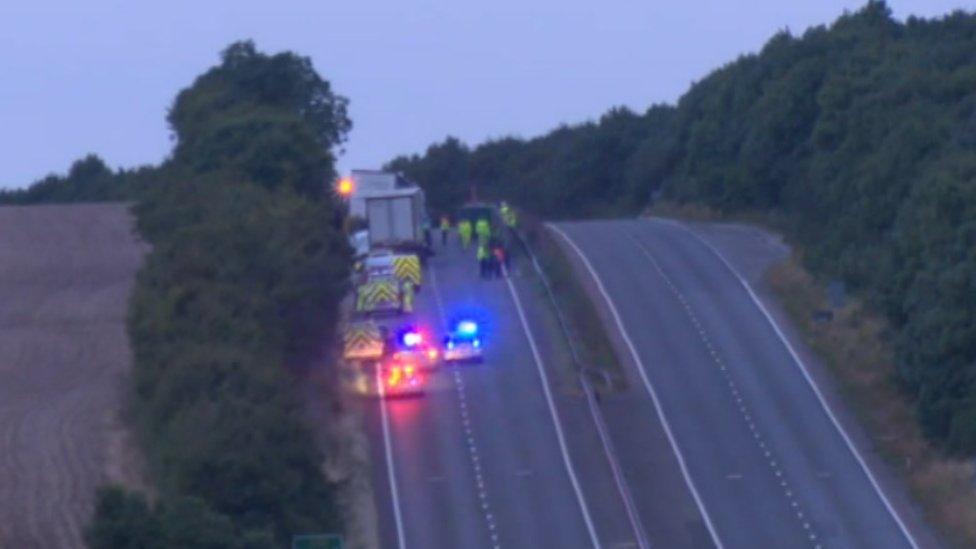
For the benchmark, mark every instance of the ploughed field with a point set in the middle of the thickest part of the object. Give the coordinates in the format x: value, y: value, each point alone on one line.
x: 66, y: 272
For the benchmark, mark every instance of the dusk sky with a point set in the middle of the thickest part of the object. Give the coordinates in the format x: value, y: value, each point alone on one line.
x: 98, y: 76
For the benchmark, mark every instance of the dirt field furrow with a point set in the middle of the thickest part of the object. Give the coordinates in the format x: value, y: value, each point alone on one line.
x: 65, y: 276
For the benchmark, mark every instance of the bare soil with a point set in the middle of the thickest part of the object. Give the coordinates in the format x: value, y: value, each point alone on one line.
x: 66, y: 272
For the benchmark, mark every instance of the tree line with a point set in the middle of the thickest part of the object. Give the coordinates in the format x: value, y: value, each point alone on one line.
x: 239, y: 293
x: 860, y: 135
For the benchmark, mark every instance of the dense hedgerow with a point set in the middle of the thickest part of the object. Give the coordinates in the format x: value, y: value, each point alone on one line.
x: 240, y: 290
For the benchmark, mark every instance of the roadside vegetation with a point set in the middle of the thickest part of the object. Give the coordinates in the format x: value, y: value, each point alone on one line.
x: 238, y: 295
x: 240, y: 290
x: 858, y: 137
x: 854, y: 345
x: 88, y: 180
x: 588, y: 333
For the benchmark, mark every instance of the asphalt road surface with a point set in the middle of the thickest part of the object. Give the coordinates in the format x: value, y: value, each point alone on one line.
x: 763, y: 459
x: 476, y: 462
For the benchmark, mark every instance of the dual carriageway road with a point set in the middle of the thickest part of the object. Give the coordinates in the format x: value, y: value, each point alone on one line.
x: 722, y: 437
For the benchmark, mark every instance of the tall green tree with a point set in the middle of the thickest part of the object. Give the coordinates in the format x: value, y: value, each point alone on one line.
x: 239, y: 295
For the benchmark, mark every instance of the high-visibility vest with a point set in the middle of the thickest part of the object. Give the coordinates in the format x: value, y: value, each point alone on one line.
x: 482, y: 252
x: 464, y: 227
x: 482, y: 228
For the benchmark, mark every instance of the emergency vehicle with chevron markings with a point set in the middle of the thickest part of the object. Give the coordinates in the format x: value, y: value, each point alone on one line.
x: 362, y: 341
x: 375, y: 365
x: 379, y: 295
x: 404, y: 267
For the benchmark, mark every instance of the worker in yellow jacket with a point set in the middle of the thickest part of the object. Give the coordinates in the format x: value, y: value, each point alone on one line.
x: 464, y: 231
x: 483, y: 229
x: 508, y: 216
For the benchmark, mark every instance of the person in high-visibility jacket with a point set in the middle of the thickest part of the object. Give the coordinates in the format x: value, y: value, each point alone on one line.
x: 464, y: 231
x: 445, y: 227
x: 483, y: 230
x: 508, y: 216
x: 408, y: 292
x: 484, y: 259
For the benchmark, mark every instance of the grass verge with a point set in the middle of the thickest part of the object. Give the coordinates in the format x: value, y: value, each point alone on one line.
x: 856, y: 351
x: 583, y: 322
x: 854, y: 347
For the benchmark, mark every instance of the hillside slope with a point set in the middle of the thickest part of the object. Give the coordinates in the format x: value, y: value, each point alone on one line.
x: 65, y: 276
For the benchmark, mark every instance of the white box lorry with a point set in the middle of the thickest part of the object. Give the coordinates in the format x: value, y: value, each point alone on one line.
x: 397, y: 219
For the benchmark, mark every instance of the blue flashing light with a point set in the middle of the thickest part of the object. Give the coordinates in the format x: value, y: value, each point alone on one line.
x: 467, y: 327
x: 412, y: 339
x: 476, y: 343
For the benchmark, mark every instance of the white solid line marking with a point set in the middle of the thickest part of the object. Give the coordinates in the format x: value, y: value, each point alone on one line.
x: 623, y: 489
x: 552, y: 410
x: 816, y: 390
x: 647, y: 384
x: 388, y: 446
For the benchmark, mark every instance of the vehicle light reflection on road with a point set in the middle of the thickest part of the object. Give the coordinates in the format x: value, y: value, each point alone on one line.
x: 405, y: 410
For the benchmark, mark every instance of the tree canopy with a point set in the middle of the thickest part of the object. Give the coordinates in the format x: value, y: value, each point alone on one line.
x: 239, y: 293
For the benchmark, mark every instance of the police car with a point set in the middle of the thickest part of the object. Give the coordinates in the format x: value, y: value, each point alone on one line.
x: 463, y: 344
x: 413, y: 344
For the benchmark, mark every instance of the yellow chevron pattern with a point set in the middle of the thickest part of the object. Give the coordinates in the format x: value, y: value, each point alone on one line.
x: 407, y: 267
x: 375, y: 293
x: 362, y: 341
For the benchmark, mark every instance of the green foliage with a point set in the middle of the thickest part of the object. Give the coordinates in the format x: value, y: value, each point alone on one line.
x: 247, y: 81
x: 128, y: 521
x: 272, y: 118
x: 125, y: 521
x: 220, y: 307
x: 862, y: 134
x: 239, y: 294
x: 571, y: 172
x: 88, y: 180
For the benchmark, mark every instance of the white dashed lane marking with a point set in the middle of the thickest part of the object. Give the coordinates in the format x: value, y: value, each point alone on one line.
x: 479, y: 479
x: 791, y: 500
